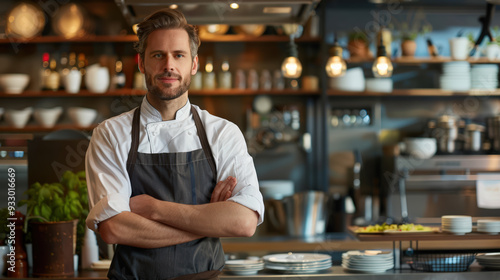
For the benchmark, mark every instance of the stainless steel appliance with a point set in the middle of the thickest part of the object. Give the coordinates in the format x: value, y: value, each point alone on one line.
x: 441, y: 185
x: 302, y: 214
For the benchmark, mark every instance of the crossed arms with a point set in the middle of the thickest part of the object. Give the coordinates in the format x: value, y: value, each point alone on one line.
x: 153, y: 223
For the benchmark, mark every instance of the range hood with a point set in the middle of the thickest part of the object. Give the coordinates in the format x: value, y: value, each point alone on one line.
x: 273, y: 12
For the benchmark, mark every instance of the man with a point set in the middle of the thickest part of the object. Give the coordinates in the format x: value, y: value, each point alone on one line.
x: 152, y: 172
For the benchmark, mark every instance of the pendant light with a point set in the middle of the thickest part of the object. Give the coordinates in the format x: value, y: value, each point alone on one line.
x: 335, y: 66
x: 291, y: 66
x: 382, y: 67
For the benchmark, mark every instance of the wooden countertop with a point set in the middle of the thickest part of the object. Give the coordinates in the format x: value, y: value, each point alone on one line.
x: 475, y: 273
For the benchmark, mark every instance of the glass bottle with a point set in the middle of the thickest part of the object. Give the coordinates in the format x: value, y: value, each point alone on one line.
x: 209, y: 75
x: 225, y: 76
x: 119, y: 79
x: 63, y: 69
x: 53, y: 79
x: 81, y: 64
x: 72, y: 62
x: 197, y: 79
x: 45, y: 72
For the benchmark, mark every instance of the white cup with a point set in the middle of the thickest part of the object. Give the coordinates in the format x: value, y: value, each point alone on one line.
x: 492, y: 51
x: 459, y: 48
x: 97, y: 79
x: 72, y: 81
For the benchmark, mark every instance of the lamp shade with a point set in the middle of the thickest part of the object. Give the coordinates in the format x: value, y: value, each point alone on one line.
x: 291, y: 67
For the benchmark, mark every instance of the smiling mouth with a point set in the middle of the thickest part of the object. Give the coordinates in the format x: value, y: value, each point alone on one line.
x: 168, y: 77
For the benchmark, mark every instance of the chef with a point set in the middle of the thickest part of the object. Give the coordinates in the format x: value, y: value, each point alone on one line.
x: 167, y: 179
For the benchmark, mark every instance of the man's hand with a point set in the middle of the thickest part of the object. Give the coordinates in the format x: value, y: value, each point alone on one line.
x: 223, y: 190
x: 143, y: 205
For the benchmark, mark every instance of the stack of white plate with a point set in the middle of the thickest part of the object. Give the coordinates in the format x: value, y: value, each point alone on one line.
x: 368, y: 261
x: 244, y: 267
x: 456, y: 76
x: 352, y: 80
x: 488, y: 226
x: 458, y: 224
x: 298, y: 263
x: 489, y: 260
x: 484, y: 76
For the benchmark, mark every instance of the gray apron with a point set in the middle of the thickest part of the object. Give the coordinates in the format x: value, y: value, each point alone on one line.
x: 187, y: 178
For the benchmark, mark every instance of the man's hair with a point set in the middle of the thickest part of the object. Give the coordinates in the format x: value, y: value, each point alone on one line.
x: 166, y: 19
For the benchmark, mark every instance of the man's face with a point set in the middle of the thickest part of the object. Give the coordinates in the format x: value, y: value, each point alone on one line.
x: 167, y: 63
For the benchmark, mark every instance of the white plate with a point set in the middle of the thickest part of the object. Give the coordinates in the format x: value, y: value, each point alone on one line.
x: 364, y: 270
x: 243, y: 262
x: 296, y: 258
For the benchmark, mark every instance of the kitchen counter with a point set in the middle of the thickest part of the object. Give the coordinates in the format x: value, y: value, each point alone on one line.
x: 475, y: 273
x: 259, y: 245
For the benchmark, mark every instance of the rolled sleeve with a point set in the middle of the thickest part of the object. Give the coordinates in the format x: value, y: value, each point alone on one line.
x: 107, y: 179
x: 252, y: 202
x: 106, y: 208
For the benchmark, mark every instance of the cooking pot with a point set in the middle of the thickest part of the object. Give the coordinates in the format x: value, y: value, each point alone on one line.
x: 473, y: 139
x: 445, y: 130
x: 301, y: 214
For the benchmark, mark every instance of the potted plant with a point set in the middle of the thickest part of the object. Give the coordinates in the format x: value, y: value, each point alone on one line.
x: 57, y: 213
x: 408, y: 31
x: 358, y: 45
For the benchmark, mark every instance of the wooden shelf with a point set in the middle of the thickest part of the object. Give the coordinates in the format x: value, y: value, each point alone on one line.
x: 133, y: 38
x: 259, y: 39
x: 38, y: 128
x: 252, y: 92
x: 62, y: 93
x: 139, y: 92
x: 59, y: 39
x: 415, y: 92
x: 424, y: 60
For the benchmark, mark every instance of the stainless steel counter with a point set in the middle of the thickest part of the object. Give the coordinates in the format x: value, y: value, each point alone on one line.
x: 475, y: 273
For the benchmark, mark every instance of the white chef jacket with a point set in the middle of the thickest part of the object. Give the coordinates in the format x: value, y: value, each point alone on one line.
x: 106, y: 159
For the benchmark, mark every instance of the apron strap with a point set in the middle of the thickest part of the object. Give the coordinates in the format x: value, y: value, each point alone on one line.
x: 204, y: 141
x: 132, y: 154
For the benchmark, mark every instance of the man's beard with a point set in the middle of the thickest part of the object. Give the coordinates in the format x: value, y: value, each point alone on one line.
x: 168, y: 92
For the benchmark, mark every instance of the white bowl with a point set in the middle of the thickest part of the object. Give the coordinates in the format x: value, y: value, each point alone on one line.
x: 276, y: 189
x: 47, y: 117
x: 18, y: 118
x: 14, y: 83
x: 82, y: 116
x: 420, y: 147
x: 97, y: 79
x: 379, y: 85
x: 352, y: 80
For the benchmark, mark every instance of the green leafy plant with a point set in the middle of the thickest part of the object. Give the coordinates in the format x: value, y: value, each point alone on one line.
x: 358, y: 35
x: 62, y: 201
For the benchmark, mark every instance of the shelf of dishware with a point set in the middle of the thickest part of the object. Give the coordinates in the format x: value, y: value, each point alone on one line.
x: 130, y: 38
x: 424, y: 60
x: 139, y: 92
x: 420, y: 92
x: 39, y: 128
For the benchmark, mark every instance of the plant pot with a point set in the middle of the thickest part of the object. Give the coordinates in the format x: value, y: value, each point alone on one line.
x: 358, y: 48
x: 53, y: 248
x: 408, y: 47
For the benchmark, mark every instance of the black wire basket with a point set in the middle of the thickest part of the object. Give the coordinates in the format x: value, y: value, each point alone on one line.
x: 441, y: 261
